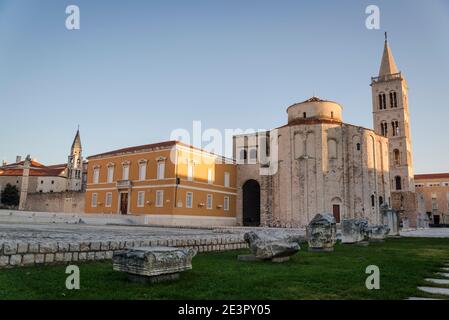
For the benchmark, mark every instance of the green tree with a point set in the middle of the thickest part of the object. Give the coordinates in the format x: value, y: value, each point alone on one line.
x: 10, y: 195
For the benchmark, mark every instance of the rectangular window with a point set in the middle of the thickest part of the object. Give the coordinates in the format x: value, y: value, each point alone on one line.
x: 159, y: 198
x: 190, y: 172
x: 210, y: 177
x: 227, y: 177
x: 142, y: 171
x: 96, y: 175
x: 110, y: 174
x: 94, y: 200
x: 125, y: 172
x: 209, y: 201
x: 226, y: 204
x: 108, y: 201
x: 160, y: 170
x: 140, y: 198
x: 189, y: 199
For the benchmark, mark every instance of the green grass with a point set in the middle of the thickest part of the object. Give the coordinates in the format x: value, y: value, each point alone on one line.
x: 403, y: 263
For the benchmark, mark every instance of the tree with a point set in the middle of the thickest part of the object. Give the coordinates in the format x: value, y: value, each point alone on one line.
x: 10, y: 195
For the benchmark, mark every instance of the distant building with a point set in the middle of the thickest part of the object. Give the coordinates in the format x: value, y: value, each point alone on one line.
x: 41, y: 178
x: 169, y: 182
x: 30, y: 176
x: 434, y: 188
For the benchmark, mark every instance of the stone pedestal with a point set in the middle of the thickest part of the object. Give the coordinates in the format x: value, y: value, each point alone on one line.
x: 274, y: 245
x: 322, y: 233
x: 391, y: 219
x: 353, y: 230
x: 153, y: 264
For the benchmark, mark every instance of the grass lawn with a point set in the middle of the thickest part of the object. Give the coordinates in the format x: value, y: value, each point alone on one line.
x: 403, y: 263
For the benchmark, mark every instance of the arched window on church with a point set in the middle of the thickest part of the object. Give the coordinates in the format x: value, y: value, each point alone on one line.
x: 381, y: 200
x: 393, y: 99
x: 398, y: 182
x: 384, y: 128
x: 304, y: 115
x: 382, y: 101
x: 396, y: 157
x: 373, y: 201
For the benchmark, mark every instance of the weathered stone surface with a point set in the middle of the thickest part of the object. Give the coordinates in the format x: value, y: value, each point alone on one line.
x: 378, y: 232
x: 270, y: 244
x: 391, y: 219
x: 4, y: 261
x: 322, y: 232
x: 15, y: 260
x: 153, y: 261
x: 353, y: 230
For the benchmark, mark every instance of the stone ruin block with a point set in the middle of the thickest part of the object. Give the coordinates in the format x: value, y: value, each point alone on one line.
x: 153, y: 264
x: 378, y: 232
x: 354, y: 230
x: 322, y: 232
x: 274, y: 245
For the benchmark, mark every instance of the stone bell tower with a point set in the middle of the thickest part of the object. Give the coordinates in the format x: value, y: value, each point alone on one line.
x: 75, y: 165
x: 391, y: 119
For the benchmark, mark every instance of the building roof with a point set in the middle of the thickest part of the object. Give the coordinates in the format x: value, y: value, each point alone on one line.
x: 76, y: 141
x: 36, y: 169
x: 428, y: 176
x: 387, y: 66
x: 153, y: 146
x: 33, y: 163
x: 145, y: 147
x: 43, y: 172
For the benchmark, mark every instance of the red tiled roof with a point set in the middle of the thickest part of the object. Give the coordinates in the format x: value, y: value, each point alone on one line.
x: 426, y: 176
x: 44, y: 172
x: 21, y: 163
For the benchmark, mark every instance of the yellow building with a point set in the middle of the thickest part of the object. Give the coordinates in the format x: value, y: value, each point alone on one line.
x: 168, y: 182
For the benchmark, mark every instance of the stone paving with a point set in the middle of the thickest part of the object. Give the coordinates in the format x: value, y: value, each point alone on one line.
x: 434, y: 287
x: 426, y: 233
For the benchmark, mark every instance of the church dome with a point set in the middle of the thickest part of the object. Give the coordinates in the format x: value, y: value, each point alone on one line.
x: 314, y: 109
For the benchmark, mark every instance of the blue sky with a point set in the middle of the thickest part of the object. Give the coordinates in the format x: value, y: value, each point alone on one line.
x: 136, y: 70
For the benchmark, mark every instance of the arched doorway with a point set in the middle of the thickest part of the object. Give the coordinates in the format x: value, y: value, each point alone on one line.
x: 251, y: 203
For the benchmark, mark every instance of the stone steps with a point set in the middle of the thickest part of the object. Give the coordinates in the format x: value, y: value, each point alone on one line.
x: 435, y: 290
x: 434, y: 284
x: 438, y: 281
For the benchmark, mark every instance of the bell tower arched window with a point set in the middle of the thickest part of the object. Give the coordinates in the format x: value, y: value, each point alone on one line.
x: 384, y: 128
x: 395, y: 127
x: 396, y: 157
x: 393, y: 99
x: 382, y: 101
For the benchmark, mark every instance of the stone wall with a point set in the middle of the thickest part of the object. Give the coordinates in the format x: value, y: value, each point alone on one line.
x: 67, y: 202
x: 13, y: 254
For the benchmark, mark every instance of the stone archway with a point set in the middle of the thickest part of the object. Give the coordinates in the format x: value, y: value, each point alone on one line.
x: 251, y: 203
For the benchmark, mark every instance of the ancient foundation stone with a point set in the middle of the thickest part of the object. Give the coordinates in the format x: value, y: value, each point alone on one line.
x: 354, y: 230
x: 378, y: 232
x: 153, y: 264
x: 275, y: 245
x: 322, y: 233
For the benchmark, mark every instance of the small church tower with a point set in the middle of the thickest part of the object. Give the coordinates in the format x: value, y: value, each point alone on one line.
x: 75, y: 165
x: 391, y: 119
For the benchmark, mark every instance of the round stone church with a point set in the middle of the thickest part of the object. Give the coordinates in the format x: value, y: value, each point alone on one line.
x: 315, y: 163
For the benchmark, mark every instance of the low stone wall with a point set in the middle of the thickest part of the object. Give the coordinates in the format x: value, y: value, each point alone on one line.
x: 14, y: 254
x: 67, y: 202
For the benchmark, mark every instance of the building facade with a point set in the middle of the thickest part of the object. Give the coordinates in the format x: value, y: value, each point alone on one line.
x: 321, y: 165
x: 169, y: 182
x: 434, y: 189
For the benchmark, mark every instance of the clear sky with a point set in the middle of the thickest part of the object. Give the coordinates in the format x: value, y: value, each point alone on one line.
x: 136, y: 70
